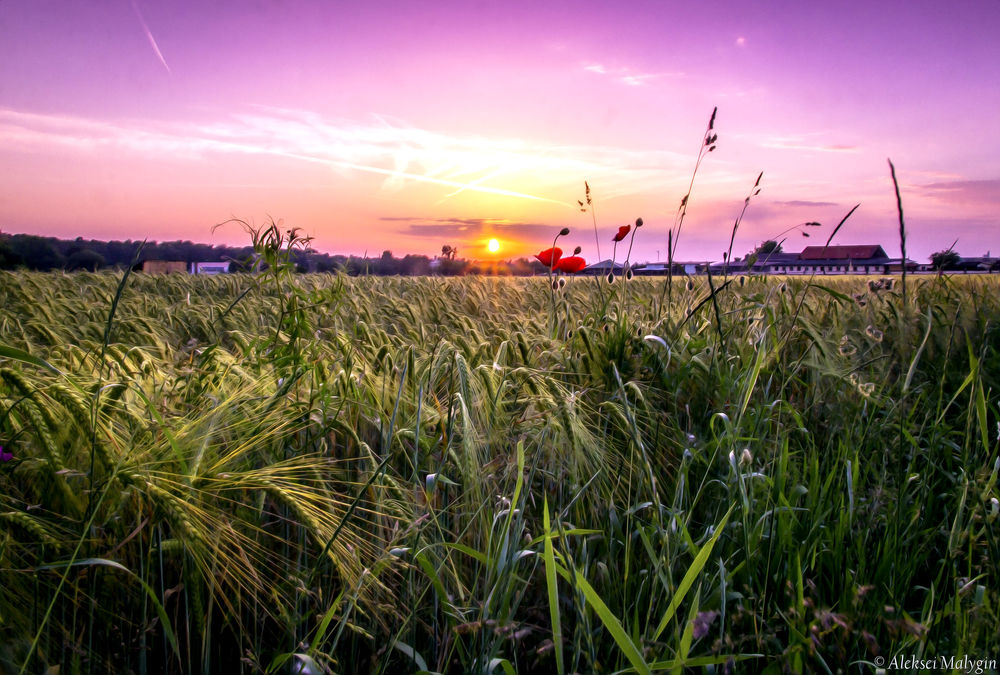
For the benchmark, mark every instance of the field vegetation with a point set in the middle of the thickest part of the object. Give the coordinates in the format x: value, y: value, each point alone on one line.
x: 309, y: 473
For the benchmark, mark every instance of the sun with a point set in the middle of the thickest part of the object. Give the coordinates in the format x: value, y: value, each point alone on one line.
x: 493, y: 246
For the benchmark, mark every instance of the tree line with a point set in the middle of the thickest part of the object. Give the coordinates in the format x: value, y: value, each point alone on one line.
x: 33, y: 252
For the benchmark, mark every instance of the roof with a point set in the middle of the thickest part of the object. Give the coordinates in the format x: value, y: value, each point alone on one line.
x: 861, y: 252
x: 777, y: 258
x: 605, y: 265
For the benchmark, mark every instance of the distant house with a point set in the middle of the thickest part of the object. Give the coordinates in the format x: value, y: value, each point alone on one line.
x: 164, y: 267
x: 209, y: 268
x: 767, y: 263
x: 604, y: 267
x: 895, y: 266
x: 660, y: 269
x: 858, y: 259
x: 982, y: 263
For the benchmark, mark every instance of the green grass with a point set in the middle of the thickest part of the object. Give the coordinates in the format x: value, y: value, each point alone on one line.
x: 480, y: 475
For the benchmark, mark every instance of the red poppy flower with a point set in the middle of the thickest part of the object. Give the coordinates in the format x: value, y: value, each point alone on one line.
x: 622, y: 233
x: 570, y: 265
x: 550, y: 256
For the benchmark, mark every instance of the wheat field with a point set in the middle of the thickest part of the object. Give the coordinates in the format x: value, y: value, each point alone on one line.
x: 316, y: 473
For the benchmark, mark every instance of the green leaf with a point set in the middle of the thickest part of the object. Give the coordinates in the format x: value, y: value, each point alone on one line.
x: 691, y: 575
x: 688, y: 636
x: 610, y: 621
x: 920, y: 350
x: 412, y: 653
x: 552, y: 584
x: 25, y: 357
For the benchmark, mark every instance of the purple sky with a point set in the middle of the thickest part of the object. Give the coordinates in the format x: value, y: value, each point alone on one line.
x: 406, y: 125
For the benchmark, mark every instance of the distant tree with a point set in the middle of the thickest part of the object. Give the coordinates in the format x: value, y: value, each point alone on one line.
x: 84, y: 259
x: 36, y: 253
x: 768, y: 247
x: 945, y: 260
x: 415, y: 265
x: 9, y: 259
x: 449, y: 252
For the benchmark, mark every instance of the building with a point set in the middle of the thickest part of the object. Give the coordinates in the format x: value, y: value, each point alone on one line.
x: 210, y: 267
x: 981, y: 263
x: 860, y: 259
x: 603, y: 267
x: 823, y: 260
x: 660, y: 269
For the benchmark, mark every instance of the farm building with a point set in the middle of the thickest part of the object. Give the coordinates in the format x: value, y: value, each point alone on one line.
x: 855, y: 259
x: 210, y: 267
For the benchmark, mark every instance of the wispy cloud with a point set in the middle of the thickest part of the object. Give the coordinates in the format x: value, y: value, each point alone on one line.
x: 149, y: 36
x: 803, y: 203
x: 387, y: 147
x: 802, y: 144
x: 976, y: 192
x: 469, y: 229
x: 628, y: 76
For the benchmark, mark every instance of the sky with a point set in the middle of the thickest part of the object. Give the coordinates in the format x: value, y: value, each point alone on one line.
x: 406, y: 126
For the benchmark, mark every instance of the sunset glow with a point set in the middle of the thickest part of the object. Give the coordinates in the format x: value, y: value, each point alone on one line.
x: 493, y: 246
x: 404, y: 127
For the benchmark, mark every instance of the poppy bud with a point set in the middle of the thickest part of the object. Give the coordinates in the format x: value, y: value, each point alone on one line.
x: 628, y: 274
x: 555, y: 285
x: 576, y: 251
x: 611, y: 277
x: 563, y: 232
x: 690, y: 285
x: 562, y: 282
x: 638, y: 222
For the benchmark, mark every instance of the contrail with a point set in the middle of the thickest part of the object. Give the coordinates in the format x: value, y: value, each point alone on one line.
x: 149, y: 36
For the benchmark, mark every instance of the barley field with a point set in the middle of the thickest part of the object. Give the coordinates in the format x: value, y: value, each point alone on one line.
x: 317, y: 473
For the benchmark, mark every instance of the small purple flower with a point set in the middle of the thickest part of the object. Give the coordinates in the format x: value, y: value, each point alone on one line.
x: 4, y: 455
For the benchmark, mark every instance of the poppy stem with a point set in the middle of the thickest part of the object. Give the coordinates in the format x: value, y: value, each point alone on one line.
x: 552, y: 290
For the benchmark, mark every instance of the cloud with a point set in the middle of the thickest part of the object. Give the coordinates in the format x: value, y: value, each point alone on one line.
x: 627, y: 76
x: 803, y: 202
x: 403, y: 155
x: 469, y: 228
x: 801, y: 144
x: 964, y: 191
x: 638, y: 80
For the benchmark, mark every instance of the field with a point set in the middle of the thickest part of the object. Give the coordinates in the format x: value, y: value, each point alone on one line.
x: 319, y: 473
